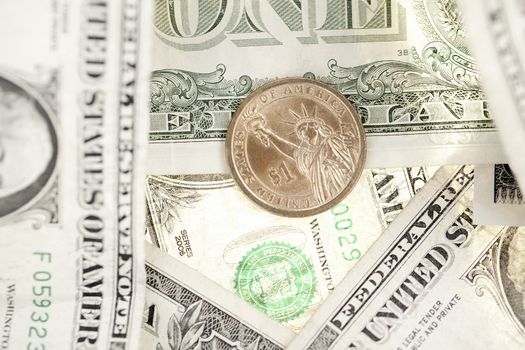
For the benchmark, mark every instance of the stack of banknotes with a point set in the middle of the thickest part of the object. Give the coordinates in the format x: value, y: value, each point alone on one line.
x: 122, y: 228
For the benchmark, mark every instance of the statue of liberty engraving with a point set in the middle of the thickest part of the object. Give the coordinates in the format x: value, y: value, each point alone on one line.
x: 326, y: 157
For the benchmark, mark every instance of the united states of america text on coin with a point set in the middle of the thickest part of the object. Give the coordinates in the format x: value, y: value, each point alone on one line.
x: 296, y: 147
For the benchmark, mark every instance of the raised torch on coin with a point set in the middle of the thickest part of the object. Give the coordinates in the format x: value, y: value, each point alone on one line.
x: 296, y: 147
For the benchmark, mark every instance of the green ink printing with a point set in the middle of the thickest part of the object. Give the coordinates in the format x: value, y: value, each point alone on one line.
x: 278, y: 279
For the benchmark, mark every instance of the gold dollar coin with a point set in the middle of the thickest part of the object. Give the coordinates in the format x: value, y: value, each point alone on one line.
x: 296, y: 147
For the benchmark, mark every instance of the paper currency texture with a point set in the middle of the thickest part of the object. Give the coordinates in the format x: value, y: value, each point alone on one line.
x: 72, y: 138
x: 185, y: 310
x: 501, y: 59
x: 498, y: 200
x: 404, y: 65
x: 434, y: 279
x: 286, y: 267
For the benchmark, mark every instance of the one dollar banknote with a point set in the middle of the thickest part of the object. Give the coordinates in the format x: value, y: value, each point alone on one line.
x: 286, y: 267
x: 404, y: 65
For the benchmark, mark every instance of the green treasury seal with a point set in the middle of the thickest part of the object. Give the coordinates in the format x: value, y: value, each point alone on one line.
x: 277, y: 278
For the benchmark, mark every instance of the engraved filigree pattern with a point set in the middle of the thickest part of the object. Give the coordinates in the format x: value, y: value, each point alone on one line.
x: 435, y: 76
x: 218, y: 342
x: 506, y: 189
x: 441, y: 58
x: 374, y: 80
x: 200, y: 177
x: 210, y: 321
x: 447, y: 65
x: 443, y: 64
x: 451, y: 18
x: 173, y: 87
x: 486, y: 276
x: 424, y: 22
x: 324, y: 340
x: 435, y: 70
x: 483, y: 272
x: 166, y: 200
x: 407, y: 104
x: 186, y: 333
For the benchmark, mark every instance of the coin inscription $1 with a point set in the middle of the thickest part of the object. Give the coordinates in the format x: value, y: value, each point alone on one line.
x: 296, y: 147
